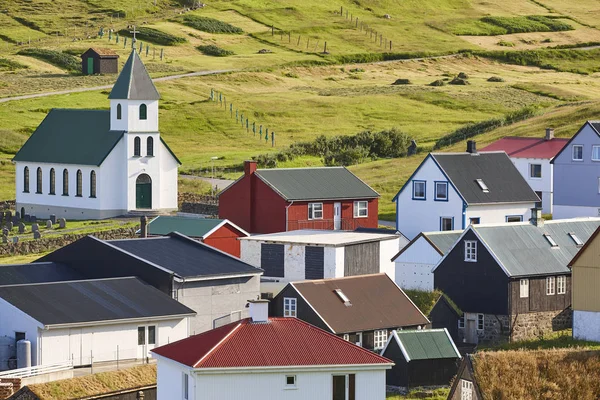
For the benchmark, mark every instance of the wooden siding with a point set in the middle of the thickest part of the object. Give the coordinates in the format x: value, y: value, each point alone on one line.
x: 444, y: 316
x: 225, y: 239
x: 586, y: 277
x: 538, y: 300
x: 298, y: 215
x: 361, y: 259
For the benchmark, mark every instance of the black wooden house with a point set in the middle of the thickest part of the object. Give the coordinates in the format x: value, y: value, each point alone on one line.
x: 99, y: 61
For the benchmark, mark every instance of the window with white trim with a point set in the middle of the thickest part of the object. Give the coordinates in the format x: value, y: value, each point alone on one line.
x: 446, y: 223
x: 595, y: 153
x: 550, y: 285
x: 471, y: 250
x: 315, y: 210
x: 535, y: 171
x: 524, y: 288
x: 361, y: 209
x: 561, y: 284
x: 461, y: 322
x: 290, y: 381
x: 466, y: 390
x: 441, y: 191
x: 419, y: 190
x: 480, y: 322
x: 514, y: 218
x: 186, y: 386
x: 289, y: 307
x: 346, y: 337
x: 577, y: 152
x: 381, y: 337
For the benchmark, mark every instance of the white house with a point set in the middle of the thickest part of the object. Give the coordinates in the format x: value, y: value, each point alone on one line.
x: 318, y: 254
x: 93, y: 164
x: 532, y: 157
x: 269, y: 358
x: 91, y: 320
x: 416, y: 261
x: 450, y: 191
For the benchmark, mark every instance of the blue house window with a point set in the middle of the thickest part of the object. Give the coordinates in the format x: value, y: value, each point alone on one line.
x: 419, y: 190
x: 441, y: 191
x: 446, y: 223
x: 577, y: 152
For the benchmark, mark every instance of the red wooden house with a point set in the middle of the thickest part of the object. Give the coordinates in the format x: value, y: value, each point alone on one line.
x: 286, y: 199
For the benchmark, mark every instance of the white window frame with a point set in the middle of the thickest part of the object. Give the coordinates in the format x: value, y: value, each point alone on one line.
x: 561, y: 284
x: 315, y: 211
x: 524, y: 288
x: 480, y: 320
x: 579, y: 146
x: 435, y: 196
x: 576, y: 239
x: 461, y: 322
x: 471, y: 250
x: 594, y: 147
x: 360, y: 206
x: 442, y: 223
x: 290, y: 307
x: 506, y: 219
x: 424, y: 197
x: 466, y: 390
x: 550, y: 286
x: 346, y: 337
x: 291, y: 385
x: 531, y: 171
x: 381, y: 337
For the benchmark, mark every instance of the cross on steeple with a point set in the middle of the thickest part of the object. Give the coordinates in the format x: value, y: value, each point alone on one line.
x: 134, y: 40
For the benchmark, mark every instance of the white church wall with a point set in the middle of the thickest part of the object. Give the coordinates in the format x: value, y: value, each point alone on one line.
x: 130, y: 116
x: 112, y: 181
x: 168, y: 178
x: 143, y: 164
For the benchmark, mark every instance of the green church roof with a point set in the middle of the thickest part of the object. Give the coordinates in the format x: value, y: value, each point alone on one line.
x: 134, y: 82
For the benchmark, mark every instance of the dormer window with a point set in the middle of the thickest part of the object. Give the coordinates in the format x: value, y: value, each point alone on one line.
x: 343, y: 297
x: 119, y: 111
x: 550, y: 240
x: 576, y: 239
x: 482, y: 185
x: 143, y: 112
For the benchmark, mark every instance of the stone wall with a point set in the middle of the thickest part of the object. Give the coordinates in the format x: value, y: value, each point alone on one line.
x: 198, y: 204
x: 537, y: 324
x: 55, y: 242
x: 9, y: 386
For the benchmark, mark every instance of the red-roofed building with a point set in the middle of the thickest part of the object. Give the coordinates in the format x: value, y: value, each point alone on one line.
x: 532, y: 158
x: 269, y: 358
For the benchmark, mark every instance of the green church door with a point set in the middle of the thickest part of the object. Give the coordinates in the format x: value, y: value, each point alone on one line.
x: 90, y: 66
x: 143, y: 192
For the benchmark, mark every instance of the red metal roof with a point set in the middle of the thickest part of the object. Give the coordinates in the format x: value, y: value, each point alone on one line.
x: 280, y: 342
x: 524, y: 147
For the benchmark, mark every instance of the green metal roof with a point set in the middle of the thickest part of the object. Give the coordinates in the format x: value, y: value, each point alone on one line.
x: 134, y: 82
x: 443, y: 240
x: 324, y: 183
x: 427, y: 344
x: 193, y: 227
x: 80, y: 137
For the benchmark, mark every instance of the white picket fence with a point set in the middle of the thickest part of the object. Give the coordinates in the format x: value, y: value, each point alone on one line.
x: 37, y: 370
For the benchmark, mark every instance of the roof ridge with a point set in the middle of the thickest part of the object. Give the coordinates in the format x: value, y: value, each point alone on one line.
x: 71, y: 281
x: 299, y: 168
x: 308, y: 281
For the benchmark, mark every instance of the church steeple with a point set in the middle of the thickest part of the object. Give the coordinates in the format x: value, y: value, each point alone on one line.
x: 134, y: 99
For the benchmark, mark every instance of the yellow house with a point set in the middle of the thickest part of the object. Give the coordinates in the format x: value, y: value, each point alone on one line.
x: 585, y: 290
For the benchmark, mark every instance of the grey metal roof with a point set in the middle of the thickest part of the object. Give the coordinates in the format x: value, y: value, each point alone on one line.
x: 91, y: 301
x: 443, y: 240
x: 523, y: 250
x: 134, y: 82
x: 80, y: 137
x: 36, y: 273
x: 185, y: 257
x: 322, y: 183
x: 505, y: 183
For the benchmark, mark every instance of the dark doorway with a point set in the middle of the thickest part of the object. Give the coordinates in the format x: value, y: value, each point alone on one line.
x: 143, y: 192
x: 339, y: 387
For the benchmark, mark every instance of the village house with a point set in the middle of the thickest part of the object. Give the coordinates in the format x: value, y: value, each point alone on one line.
x: 415, y: 262
x: 532, y: 157
x: 363, y: 309
x: 287, y: 199
x: 92, y: 320
x: 451, y: 191
x: 577, y: 175
x: 426, y: 357
x: 94, y: 164
x: 214, y: 284
x: 318, y: 254
x: 464, y: 386
x: 269, y: 358
x: 585, y: 270
x: 511, y: 281
x: 221, y: 234
x: 99, y: 61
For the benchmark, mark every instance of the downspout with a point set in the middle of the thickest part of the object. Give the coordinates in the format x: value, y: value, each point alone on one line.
x: 286, y: 215
x: 464, y: 215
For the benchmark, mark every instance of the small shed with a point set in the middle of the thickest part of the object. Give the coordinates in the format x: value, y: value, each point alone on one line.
x: 446, y: 314
x: 99, y: 61
x: 422, y: 358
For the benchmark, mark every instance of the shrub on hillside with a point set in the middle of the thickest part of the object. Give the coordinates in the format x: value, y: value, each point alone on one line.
x: 532, y: 23
x: 213, y: 50
x: 462, y: 75
x: 210, y: 25
x: 459, y: 81
x: 495, y: 79
x: 155, y: 36
x: 57, y: 58
x: 402, y: 82
x: 9, y: 65
x: 438, y: 82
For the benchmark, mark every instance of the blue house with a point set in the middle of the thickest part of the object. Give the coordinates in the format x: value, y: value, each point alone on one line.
x: 577, y: 175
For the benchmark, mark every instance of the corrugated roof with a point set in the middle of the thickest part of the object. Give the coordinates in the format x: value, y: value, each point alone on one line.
x: 443, y: 240
x: 184, y: 256
x: 505, y: 183
x: 524, y: 147
x: 80, y: 137
x: 188, y: 226
x: 426, y: 344
x: 36, y: 273
x: 322, y: 237
x: 134, y: 82
x: 377, y: 303
x: 91, y: 301
x: 280, y: 342
x: 324, y: 183
x: 523, y: 250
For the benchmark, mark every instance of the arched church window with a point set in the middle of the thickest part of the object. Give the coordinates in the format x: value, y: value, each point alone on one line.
x: 65, y: 182
x: 93, y: 184
x: 52, y: 181
x: 39, y: 181
x: 137, y: 146
x: 118, y: 111
x: 79, y: 184
x: 150, y: 146
x: 143, y: 112
x: 26, y: 180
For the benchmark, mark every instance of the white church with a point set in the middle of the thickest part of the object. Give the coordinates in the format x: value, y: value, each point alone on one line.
x: 95, y: 164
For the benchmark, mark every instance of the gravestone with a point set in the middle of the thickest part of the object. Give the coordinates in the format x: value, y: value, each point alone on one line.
x: 21, y: 228
x: 48, y: 224
x: 33, y: 219
x: 4, y: 239
x: 27, y: 218
x: 53, y: 218
x: 15, y: 220
x: 62, y: 223
x: 35, y: 227
x: 9, y: 225
x: 15, y: 239
x: 18, y: 215
x: 37, y: 235
x: 7, y: 215
x: 5, y: 232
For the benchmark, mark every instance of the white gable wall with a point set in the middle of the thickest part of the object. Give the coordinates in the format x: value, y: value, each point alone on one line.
x: 414, y: 266
x: 112, y: 180
x: 497, y: 213
x: 130, y: 113
x: 13, y: 320
x: 543, y: 184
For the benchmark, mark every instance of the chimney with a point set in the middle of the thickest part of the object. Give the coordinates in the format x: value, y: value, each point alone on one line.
x: 259, y: 310
x: 536, y: 217
x: 549, y: 134
x: 471, y: 147
x: 249, y: 167
x: 144, y: 226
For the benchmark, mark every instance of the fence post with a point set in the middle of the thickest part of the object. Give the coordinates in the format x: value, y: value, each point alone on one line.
x: 356, y: 22
x: 390, y: 45
x: 325, y: 48
x: 298, y: 44
x: 91, y: 362
x: 289, y: 37
x: 272, y: 30
x: 117, y: 357
x: 341, y: 10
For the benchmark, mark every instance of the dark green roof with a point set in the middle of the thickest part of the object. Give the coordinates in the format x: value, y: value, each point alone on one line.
x: 80, y: 137
x: 134, y: 82
x: 193, y: 227
x: 325, y: 183
x: 426, y: 344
